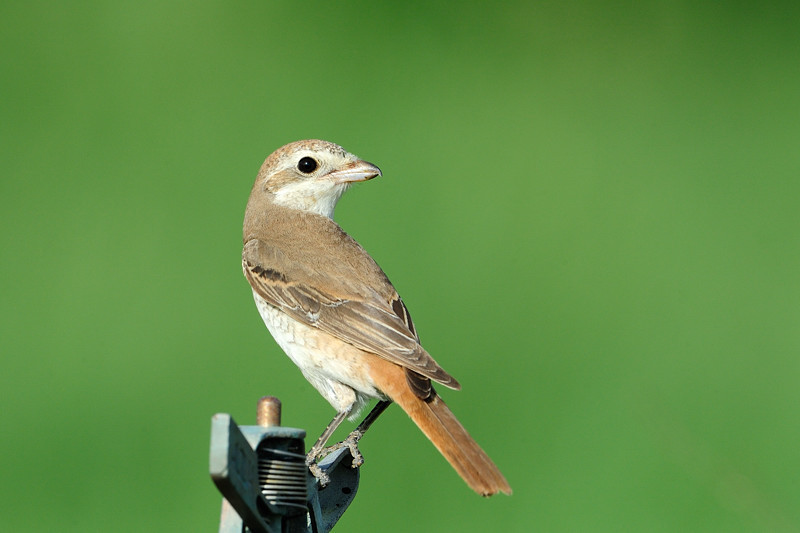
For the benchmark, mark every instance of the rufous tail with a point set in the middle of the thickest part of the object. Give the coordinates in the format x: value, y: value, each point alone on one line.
x: 444, y: 430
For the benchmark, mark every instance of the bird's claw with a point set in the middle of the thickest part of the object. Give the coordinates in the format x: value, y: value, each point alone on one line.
x: 322, y: 478
x: 351, y: 443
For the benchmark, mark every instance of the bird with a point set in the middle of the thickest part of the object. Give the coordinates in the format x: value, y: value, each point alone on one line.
x: 335, y: 313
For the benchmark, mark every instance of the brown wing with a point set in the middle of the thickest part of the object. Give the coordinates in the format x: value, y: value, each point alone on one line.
x: 370, y: 324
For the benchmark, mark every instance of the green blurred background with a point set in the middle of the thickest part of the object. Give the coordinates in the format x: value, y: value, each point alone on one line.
x: 591, y: 210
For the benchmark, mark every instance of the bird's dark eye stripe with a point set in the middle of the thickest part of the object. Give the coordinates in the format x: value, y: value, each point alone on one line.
x: 307, y: 165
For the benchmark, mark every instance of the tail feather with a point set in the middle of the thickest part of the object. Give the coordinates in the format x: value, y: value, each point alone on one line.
x: 444, y: 430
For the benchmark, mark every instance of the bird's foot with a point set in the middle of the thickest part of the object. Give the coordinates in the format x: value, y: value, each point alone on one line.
x: 322, y: 478
x: 351, y: 443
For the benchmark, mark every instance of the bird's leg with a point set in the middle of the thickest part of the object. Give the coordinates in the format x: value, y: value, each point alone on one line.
x: 318, y: 450
x: 365, y: 424
x: 351, y: 441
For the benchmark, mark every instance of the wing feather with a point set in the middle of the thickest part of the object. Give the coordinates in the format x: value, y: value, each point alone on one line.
x: 370, y: 324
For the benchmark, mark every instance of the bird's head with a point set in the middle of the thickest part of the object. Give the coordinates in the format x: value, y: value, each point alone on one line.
x: 311, y: 175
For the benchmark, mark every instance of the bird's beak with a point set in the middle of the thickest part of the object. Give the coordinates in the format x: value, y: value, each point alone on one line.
x: 357, y: 171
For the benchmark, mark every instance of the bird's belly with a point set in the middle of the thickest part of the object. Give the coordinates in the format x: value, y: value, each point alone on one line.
x: 335, y: 368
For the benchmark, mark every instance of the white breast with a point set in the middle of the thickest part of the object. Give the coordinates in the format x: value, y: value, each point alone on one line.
x: 336, y: 369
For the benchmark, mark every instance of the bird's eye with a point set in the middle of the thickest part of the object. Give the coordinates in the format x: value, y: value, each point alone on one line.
x: 307, y: 165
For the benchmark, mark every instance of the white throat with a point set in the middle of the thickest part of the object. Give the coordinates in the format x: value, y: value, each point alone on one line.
x: 315, y: 196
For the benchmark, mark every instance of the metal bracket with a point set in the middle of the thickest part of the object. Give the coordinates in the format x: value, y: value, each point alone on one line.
x: 267, y: 488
